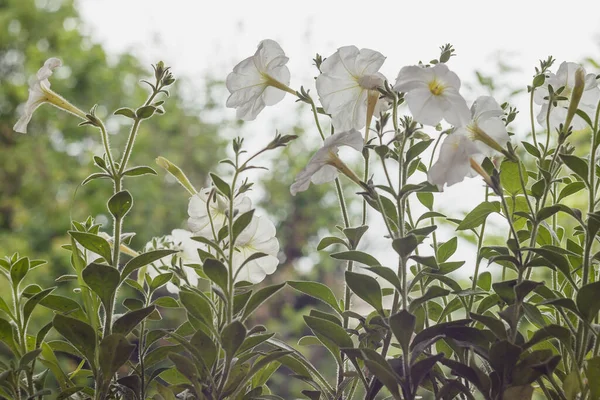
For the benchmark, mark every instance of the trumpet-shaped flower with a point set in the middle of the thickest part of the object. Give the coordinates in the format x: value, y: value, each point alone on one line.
x: 259, y: 81
x: 325, y: 164
x: 258, y: 237
x: 347, y: 87
x: 200, y: 213
x: 40, y: 92
x: 565, y: 76
x: 432, y: 94
x: 484, y: 135
x: 179, y: 239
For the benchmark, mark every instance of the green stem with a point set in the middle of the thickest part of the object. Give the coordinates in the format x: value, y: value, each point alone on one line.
x: 478, y: 259
x: 532, y: 118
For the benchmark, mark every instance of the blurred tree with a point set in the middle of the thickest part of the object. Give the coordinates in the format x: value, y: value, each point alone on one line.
x: 40, y: 172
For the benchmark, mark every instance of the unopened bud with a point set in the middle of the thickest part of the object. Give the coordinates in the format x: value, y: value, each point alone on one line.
x: 176, y: 172
x: 576, y: 95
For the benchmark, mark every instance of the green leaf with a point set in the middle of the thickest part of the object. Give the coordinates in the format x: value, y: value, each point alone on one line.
x: 478, y: 215
x: 417, y: 149
x: 484, y: 281
x: 389, y: 275
x: 7, y: 335
x: 260, y: 297
x: 186, y: 367
x: 324, y: 328
x: 93, y: 243
x: 113, y: 352
x: 120, y: 204
x: 126, y: 112
x: 493, y: 324
x: 550, y: 331
x: 367, y: 288
x: 196, y: 305
x: 60, y: 303
x: 127, y: 322
x: 138, y: 171
x: 431, y: 293
x: 221, y: 185
x: 145, y: 112
x: 166, y: 301
x: 241, y: 222
x: 318, y: 291
x: 403, y: 326
x: 577, y: 165
x: 216, y: 272
x: 509, y: 176
x: 32, y: 302
x: 570, y: 189
x: 78, y: 333
x: 447, y: 249
x: 356, y: 256
x: 556, y: 260
x: 205, y: 346
x: 588, y: 301
x: 232, y: 337
x: 426, y: 199
x: 18, y: 271
x: 144, y: 259
x: 103, y: 280
x: 160, y: 280
x: 406, y: 245
x: 592, y: 373
x: 385, y: 375
x: 531, y: 149
x: 329, y: 241
x: 522, y: 392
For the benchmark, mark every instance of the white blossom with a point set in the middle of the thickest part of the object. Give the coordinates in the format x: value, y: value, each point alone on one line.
x: 180, y: 240
x: 325, y: 164
x: 199, y: 220
x: 348, y: 81
x: 40, y: 92
x: 259, y: 81
x: 484, y: 135
x: 432, y: 94
x: 257, y: 237
x: 565, y: 76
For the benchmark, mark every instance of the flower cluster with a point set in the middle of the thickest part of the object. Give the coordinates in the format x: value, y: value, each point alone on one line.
x: 208, y: 213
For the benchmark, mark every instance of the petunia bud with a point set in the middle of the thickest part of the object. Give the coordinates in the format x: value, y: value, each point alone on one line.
x: 576, y: 95
x: 177, y: 173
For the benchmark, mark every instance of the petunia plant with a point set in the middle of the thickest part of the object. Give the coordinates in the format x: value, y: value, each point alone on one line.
x: 517, y: 319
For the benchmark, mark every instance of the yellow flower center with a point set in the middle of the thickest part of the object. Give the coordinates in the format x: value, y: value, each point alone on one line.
x: 436, y: 87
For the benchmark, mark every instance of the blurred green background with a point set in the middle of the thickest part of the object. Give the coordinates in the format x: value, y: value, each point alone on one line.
x: 41, y: 172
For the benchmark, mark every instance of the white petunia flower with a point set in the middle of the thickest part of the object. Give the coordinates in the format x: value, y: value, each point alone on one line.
x: 432, y: 94
x: 259, y: 81
x: 325, y: 164
x: 468, y: 145
x: 565, y: 76
x: 258, y: 237
x: 347, y: 87
x: 179, y: 239
x: 199, y: 220
x: 40, y: 92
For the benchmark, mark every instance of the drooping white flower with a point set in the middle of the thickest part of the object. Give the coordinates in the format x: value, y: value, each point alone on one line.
x: 179, y: 239
x: 199, y: 221
x: 40, y: 92
x: 325, y: 164
x: 484, y: 135
x: 258, y: 237
x: 432, y: 94
x: 259, y: 81
x: 565, y: 76
x: 348, y: 84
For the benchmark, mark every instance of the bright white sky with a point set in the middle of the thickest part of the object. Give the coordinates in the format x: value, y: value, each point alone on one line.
x: 197, y: 37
